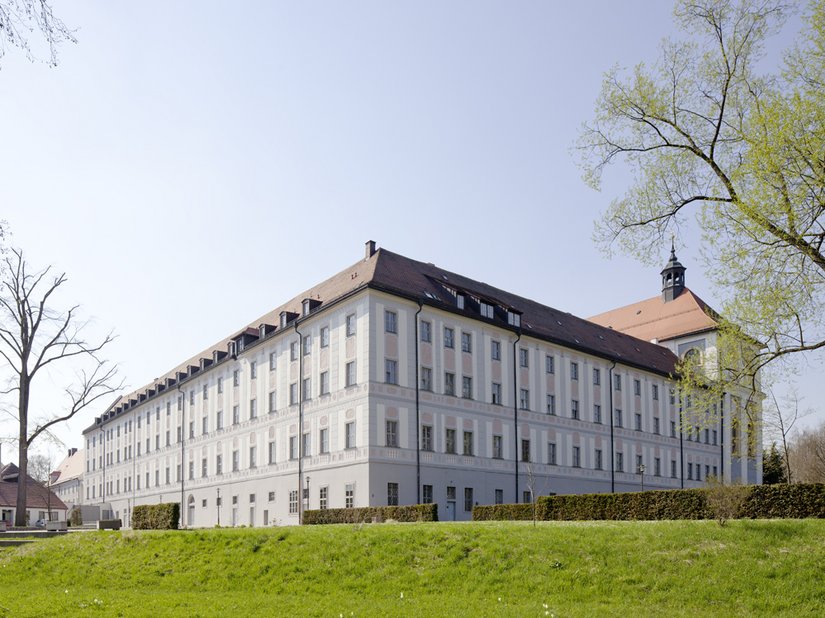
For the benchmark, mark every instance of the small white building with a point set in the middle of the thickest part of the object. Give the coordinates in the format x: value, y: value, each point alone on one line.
x: 41, y: 504
x: 67, y: 479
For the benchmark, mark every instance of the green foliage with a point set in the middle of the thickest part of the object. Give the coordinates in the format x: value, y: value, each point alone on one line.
x: 727, y: 502
x: 164, y: 516
x: 441, y: 569
x: 416, y: 512
x: 773, y: 467
x: 709, y: 139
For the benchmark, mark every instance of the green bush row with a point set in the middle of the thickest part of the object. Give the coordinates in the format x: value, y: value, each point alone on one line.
x: 756, y: 502
x: 156, y: 516
x: 415, y: 512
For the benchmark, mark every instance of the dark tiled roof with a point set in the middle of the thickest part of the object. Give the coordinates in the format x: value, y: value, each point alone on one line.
x: 400, y: 275
x: 37, y: 496
x: 430, y: 284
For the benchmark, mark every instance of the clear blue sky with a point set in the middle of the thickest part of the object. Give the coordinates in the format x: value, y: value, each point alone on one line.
x: 191, y: 165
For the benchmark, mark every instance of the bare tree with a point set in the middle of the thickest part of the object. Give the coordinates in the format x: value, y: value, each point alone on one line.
x: 20, y: 18
x: 780, y: 421
x: 807, y: 452
x: 33, y: 337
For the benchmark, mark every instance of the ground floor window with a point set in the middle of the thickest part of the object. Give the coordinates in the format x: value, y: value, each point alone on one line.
x: 392, y: 494
x: 349, y: 495
x: 468, y: 499
x: 293, y: 501
x: 427, y: 494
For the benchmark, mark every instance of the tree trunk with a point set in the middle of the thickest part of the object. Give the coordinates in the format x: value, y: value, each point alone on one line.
x: 23, y: 450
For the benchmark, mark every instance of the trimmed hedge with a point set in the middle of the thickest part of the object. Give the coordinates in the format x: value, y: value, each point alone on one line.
x: 761, y: 502
x: 415, y: 512
x: 164, y: 516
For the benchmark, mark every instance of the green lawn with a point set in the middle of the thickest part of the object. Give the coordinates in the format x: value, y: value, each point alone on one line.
x: 686, y: 568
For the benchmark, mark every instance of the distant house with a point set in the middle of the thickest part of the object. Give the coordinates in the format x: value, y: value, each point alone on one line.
x: 67, y: 479
x: 41, y: 502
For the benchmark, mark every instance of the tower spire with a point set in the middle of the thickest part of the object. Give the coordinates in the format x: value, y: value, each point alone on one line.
x: 673, y: 275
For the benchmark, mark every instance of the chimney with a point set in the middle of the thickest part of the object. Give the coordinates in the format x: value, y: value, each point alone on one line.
x: 370, y: 249
x: 72, y: 451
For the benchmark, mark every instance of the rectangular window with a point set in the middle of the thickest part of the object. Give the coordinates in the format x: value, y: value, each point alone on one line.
x: 273, y: 401
x: 449, y: 383
x: 523, y: 357
x: 486, y: 310
x: 672, y: 396
x: 219, y: 420
x: 468, y: 443
x: 468, y: 499
x: 550, y: 363
x: 323, y: 498
x: 350, y: 325
x: 323, y: 441
x: 467, y: 387
x: 204, y: 427
x: 390, y: 322
x: 574, y: 371
x: 639, y: 464
x: 597, y: 376
x: 392, y: 494
x: 325, y: 336
x: 655, y: 392
x: 618, y: 418
x: 324, y: 383
x: 191, y: 403
x: 253, y: 456
x: 551, y: 405
x: 307, y: 345
x: 466, y: 342
x: 205, y: 392
x: 513, y: 319
x: 619, y: 462
x: 637, y: 388
x: 253, y: 408
x: 449, y: 337
x: 525, y: 450
x: 293, y: 351
x: 191, y: 468
x: 499, y: 499
x: 672, y: 429
x: 574, y: 409
x: 236, y: 460
x: 426, y: 438
x: 236, y: 378
x: 617, y: 382
x: 551, y: 453
x: 271, y: 453
x: 597, y: 464
x: 449, y: 441
x: 219, y: 464
x: 495, y: 350
x: 524, y: 399
x: 293, y: 502
x: 577, y: 457
x: 307, y: 388
x: 236, y: 414
x: 351, y: 377
x: 496, y: 393
x: 498, y: 447
x: 390, y: 371
x: 426, y: 379
x: 715, y: 438
x: 707, y: 436
x: 392, y: 433
x: 425, y: 330
x: 657, y: 467
x: 253, y: 370
x: 349, y: 435
x: 293, y: 447
x: 427, y: 494
x: 349, y: 495
x: 597, y: 413
x: 690, y: 472
x: 306, y: 444
x: 673, y: 468
x: 273, y: 361
x: 638, y: 421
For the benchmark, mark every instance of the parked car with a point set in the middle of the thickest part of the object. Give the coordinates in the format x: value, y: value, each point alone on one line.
x: 40, y: 523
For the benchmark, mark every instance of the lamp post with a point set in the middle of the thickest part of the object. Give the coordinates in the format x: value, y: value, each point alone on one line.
x: 642, y: 475
x: 218, y: 504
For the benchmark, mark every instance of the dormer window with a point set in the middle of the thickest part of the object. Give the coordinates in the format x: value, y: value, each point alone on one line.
x: 459, y: 301
x: 486, y: 310
x: 231, y: 348
x: 514, y: 319
x: 283, y: 319
x: 306, y: 306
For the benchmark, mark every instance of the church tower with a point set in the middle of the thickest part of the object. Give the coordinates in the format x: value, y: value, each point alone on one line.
x: 673, y: 277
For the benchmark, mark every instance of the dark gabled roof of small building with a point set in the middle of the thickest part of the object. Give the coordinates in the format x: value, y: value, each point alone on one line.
x: 37, y: 496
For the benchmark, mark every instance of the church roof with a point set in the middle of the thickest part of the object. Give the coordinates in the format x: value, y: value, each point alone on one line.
x: 654, y: 318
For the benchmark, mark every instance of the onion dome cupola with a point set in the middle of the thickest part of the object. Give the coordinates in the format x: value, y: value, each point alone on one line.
x: 673, y: 277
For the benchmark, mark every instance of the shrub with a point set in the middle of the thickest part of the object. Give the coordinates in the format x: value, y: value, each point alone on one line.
x: 415, y: 512
x: 156, y: 516
x: 732, y: 501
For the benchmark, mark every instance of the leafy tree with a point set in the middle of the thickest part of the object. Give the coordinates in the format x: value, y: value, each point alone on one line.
x: 19, y: 18
x: 708, y: 138
x: 36, y: 337
x: 773, y: 467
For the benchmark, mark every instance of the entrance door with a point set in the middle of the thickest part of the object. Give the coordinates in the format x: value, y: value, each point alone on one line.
x: 451, y: 510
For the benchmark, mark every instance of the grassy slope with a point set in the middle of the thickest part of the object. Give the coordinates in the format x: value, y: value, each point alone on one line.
x: 629, y: 568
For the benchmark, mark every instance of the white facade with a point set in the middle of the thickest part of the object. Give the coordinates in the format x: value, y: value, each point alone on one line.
x: 229, y: 430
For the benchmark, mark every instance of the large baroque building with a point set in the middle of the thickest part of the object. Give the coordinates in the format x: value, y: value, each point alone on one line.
x: 397, y: 382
